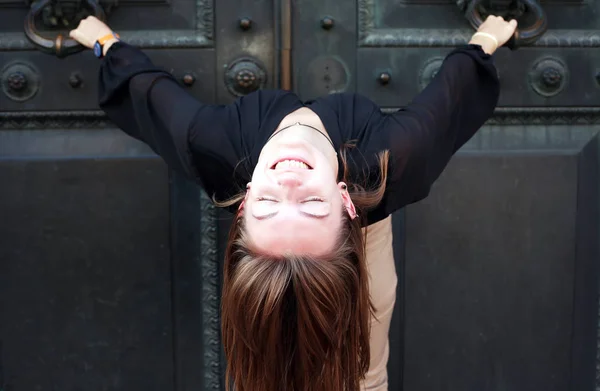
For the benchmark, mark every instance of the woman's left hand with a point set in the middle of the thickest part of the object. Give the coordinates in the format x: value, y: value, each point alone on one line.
x: 494, y: 32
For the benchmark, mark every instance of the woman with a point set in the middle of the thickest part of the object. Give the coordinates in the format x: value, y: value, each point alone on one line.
x: 304, y: 179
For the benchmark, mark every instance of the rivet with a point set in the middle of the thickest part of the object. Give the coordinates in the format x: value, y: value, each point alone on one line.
x: 74, y: 80
x: 188, y: 79
x: 384, y: 78
x: 245, y: 23
x: 327, y: 23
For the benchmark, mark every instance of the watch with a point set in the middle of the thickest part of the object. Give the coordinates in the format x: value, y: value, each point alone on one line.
x: 99, y: 44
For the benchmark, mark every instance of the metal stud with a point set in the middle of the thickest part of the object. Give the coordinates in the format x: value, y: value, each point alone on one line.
x: 75, y: 80
x: 19, y: 81
x: 16, y: 81
x: 188, y: 79
x: 551, y: 77
x: 244, y: 76
x: 245, y: 23
x: 327, y: 23
x: 548, y: 77
x: 384, y: 78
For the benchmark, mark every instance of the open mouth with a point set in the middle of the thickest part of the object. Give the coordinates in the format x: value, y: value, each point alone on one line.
x: 290, y: 164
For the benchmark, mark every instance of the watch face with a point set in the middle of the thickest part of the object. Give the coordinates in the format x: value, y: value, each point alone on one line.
x: 97, y: 49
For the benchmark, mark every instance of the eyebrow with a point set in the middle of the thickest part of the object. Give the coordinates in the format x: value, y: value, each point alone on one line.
x: 268, y: 216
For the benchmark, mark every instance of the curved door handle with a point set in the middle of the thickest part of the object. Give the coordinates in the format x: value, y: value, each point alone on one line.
x: 61, y: 46
x: 522, y: 36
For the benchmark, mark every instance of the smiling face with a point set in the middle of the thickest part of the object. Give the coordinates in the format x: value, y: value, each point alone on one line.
x: 293, y: 204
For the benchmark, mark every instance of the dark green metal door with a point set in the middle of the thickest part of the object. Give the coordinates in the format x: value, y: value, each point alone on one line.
x: 498, y: 267
x: 110, y: 264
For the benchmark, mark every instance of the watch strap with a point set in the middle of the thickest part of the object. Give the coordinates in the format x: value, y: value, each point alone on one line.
x: 107, y: 37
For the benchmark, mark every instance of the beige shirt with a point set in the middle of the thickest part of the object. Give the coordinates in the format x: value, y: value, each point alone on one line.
x: 383, y: 281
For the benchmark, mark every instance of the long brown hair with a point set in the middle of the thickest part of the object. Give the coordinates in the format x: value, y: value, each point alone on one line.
x: 296, y: 322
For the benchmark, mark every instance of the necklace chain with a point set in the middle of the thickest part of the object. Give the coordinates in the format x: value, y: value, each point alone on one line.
x: 308, y: 126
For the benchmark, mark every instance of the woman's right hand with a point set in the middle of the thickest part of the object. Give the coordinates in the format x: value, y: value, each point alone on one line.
x: 90, y: 30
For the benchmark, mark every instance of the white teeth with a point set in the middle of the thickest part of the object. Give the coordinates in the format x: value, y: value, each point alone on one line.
x: 291, y: 164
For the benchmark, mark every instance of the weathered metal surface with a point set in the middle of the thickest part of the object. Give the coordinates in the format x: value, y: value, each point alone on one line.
x: 59, y: 14
x: 476, y: 12
x: 501, y: 265
x: 110, y: 265
x: 73, y: 314
x: 498, y: 267
x: 51, y: 85
x: 84, y: 262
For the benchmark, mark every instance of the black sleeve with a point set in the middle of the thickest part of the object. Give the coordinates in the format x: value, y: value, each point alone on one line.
x: 442, y: 118
x: 202, y: 141
x: 423, y: 136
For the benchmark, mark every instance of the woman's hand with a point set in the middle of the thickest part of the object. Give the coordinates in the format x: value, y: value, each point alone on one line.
x: 90, y: 30
x: 493, y: 33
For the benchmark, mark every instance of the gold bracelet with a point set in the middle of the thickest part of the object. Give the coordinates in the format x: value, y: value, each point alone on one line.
x: 490, y: 36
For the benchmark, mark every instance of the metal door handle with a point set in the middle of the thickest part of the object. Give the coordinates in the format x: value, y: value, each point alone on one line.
x: 61, y: 46
x: 522, y: 36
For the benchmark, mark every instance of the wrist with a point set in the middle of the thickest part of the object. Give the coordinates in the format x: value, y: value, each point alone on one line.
x: 103, y: 43
x: 487, y: 45
x: 107, y: 45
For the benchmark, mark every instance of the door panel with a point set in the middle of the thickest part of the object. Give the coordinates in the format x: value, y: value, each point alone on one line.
x: 72, y: 82
x: 498, y: 267
x: 245, y: 42
x: 530, y: 83
x: 324, y: 47
x: 147, y: 23
x: 109, y: 271
x: 501, y: 268
x: 84, y: 263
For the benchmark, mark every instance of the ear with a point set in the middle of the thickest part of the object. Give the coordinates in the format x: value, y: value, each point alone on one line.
x: 347, y: 201
x: 241, y: 207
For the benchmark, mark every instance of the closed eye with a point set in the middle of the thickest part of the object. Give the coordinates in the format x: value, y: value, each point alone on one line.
x: 315, y: 207
x: 307, y: 214
x: 266, y: 199
x: 313, y: 199
x: 267, y: 207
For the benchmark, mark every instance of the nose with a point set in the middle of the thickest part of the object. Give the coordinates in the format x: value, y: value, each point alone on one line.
x: 288, y: 179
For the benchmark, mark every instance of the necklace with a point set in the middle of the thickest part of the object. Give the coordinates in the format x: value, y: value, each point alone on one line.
x: 308, y: 126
